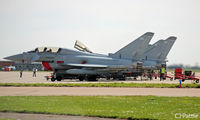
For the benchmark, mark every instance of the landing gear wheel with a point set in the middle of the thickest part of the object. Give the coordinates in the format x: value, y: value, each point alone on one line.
x: 122, y: 78
x: 81, y: 78
x: 59, y: 78
x: 197, y: 81
x: 108, y: 78
x: 53, y: 79
x: 92, y: 78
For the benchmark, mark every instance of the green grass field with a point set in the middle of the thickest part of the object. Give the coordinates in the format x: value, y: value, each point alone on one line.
x: 122, y: 84
x: 129, y: 107
x: 6, y: 118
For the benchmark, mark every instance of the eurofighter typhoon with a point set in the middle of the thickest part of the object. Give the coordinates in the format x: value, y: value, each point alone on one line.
x: 86, y: 65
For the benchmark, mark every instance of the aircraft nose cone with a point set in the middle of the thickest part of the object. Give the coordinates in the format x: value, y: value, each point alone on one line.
x: 17, y: 57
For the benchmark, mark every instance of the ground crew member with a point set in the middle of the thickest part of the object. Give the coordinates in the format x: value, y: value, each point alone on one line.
x: 21, y: 71
x: 150, y: 74
x: 162, y: 73
x: 34, y: 72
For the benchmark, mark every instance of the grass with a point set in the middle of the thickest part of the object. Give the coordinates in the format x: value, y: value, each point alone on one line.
x: 128, y: 107
x: 6, y: 118
x: 122, y: 84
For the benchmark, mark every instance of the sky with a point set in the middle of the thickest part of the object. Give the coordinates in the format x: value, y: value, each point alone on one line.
x: 104, y: 26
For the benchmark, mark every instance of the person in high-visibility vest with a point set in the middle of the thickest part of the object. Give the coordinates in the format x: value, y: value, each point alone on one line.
x: 162, y: 72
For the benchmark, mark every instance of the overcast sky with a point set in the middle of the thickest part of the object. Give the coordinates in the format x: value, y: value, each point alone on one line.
x: 104, y: 26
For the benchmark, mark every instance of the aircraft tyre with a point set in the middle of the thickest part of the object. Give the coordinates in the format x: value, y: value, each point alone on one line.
x: 59, y: 78
x: 122, y: 78
x: 108, y: 78
x: 81, y: 78
x: 92, y: 78
x: 53, y: 79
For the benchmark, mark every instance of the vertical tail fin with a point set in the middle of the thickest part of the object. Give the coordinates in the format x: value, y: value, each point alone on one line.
x: 169, y: 42
x: 159, y: 50
x: 134, y: 49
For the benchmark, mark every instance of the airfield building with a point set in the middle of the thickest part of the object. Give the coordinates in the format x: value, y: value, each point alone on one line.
x: 19, y: 66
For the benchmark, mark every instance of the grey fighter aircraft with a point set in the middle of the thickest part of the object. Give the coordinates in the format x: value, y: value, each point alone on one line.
x: 67, y: 63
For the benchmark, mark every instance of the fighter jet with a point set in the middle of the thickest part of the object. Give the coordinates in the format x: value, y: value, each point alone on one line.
x: 67, y: 63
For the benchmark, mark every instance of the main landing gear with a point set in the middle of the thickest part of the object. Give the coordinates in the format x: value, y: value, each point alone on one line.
x: 59, y: 77
x: 55, y: 77
x: 88, y: 78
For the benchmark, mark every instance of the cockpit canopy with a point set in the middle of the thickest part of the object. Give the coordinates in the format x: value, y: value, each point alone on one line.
x: 46, y: 49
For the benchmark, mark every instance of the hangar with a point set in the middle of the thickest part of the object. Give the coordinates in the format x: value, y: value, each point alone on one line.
x: 19, y: 66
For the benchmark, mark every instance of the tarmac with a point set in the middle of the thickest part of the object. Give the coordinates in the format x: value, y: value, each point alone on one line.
x: 28, y: 116
x: 13, y: 77
x: 98, y: 91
